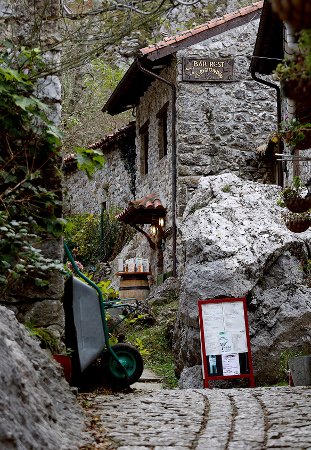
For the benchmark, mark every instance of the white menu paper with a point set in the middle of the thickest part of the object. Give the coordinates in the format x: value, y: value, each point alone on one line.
x: 230, y: 364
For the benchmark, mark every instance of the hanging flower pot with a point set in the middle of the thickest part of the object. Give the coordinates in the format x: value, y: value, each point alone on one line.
x: 298, y: 204
x: 294, y: 73
x: 297, y: 135
x: 297, y: 13
x: 297, y: 223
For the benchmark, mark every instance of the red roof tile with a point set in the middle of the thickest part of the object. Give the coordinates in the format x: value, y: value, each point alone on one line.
x: 143, y: 211
x: 170, y: 41
x: 113, y: 138
x: 134, y: 83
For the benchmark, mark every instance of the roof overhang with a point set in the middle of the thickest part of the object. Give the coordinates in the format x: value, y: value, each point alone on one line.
x: 126, y: 133
x: 134, y: 83
x: 144, y: 211
x: 269, y: 47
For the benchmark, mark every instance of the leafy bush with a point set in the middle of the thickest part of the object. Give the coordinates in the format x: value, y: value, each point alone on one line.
x: 30, y: 146
x: 97, y: 238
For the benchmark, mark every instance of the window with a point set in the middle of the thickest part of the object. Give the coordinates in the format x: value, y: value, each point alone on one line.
x: 144, y: 148
x: 162, y: 131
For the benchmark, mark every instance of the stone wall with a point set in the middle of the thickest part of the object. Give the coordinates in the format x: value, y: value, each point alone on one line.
x: 220, y: 125
x: 159, y: 177
x: 19, y: 22
x: 111, y: 184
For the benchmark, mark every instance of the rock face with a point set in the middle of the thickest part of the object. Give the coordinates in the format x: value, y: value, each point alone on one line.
x: 38, y: 410
x: 236, y: 245
x: 19, y: 22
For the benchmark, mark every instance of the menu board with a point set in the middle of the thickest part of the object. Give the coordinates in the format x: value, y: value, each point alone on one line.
x: 225, y: 343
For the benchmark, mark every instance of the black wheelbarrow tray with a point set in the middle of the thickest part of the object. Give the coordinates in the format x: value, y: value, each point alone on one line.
x: 86, y: 332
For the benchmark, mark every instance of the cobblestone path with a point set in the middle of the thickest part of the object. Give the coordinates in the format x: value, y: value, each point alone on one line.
x: 209, y: 419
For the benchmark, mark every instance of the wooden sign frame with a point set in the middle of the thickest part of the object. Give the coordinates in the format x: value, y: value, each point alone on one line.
x: 224, y: 329
x: 208, y: 69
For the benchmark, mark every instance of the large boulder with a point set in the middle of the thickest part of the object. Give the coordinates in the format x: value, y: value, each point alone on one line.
x: 236, y: 245
x: 38, y: 409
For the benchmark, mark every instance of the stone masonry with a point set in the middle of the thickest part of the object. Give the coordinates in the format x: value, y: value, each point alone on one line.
x: 220, y: 125
x: 111, y: 184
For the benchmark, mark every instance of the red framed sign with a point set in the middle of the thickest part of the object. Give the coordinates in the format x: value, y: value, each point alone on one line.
x: 225, y: 342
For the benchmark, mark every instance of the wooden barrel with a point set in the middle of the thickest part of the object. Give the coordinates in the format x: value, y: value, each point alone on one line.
x: 134, y: 285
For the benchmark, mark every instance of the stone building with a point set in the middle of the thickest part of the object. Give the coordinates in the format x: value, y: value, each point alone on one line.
x: 198, y: 113
x: 113, y: 185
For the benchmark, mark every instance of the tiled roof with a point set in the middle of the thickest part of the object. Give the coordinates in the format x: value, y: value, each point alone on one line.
x: 112, y: 138
x: 135, y: 83
x: 196, y: 31
x: 143, y: 211
x: 70, y: 160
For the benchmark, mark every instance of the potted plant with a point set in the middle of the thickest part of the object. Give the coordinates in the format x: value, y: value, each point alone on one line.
x: 297, y: 222
x: 292, y: 197
x: 296, y: 134
x: 294, y: 72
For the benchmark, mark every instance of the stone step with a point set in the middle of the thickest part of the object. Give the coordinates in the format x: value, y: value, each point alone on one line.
x: 149, y: 377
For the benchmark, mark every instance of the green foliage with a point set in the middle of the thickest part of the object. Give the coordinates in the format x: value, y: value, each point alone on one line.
x: 297, y: 66
x: 82, y: 233
x: 141, y: 348
x: 89, y: 160
x: 290, y: 192
x: 159, y: 357
x: 85, y: 93
x: 30, y: 145
x: 109, y: 293
x: 293, y: 131
x: 97, y: 237
x: 19, y: 256
x: 114, y: 234
x: 226, y: 188
x: 156, y: 339
x: 306, y: 269
x: 46, y: 337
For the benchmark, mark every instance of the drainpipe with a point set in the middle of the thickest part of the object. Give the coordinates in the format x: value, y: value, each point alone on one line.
x: 280, y: 179
x: 174, y: 170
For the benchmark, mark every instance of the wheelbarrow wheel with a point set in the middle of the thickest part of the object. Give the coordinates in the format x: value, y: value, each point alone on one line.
x: 131, y: 359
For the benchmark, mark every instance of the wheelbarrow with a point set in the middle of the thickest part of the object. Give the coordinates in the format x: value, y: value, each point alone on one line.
x: 87, y: 334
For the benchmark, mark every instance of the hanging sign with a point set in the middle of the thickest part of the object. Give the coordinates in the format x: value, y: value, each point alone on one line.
x: 225, y: 343
x: 206, y: 69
